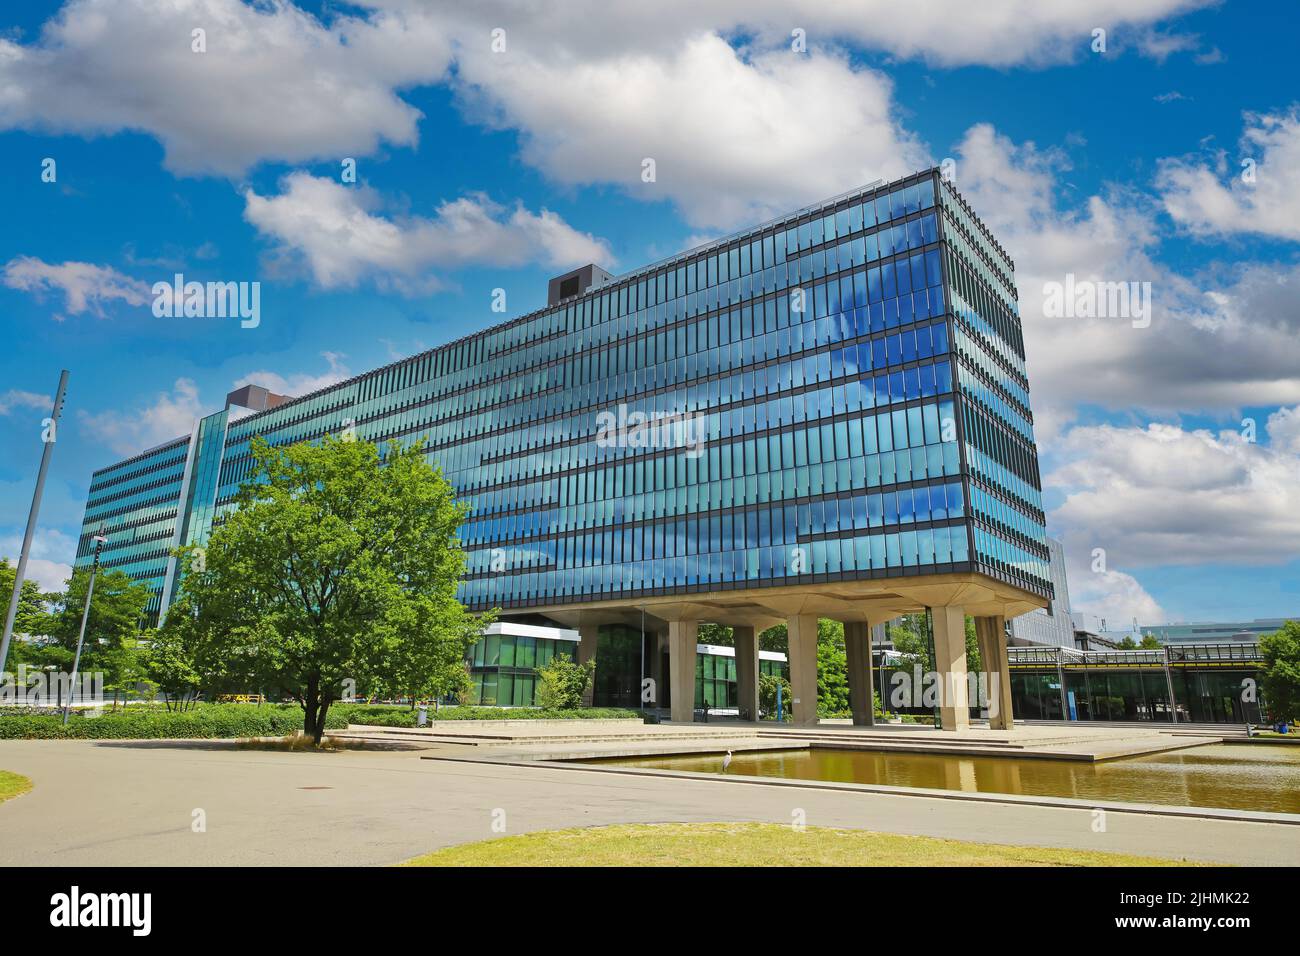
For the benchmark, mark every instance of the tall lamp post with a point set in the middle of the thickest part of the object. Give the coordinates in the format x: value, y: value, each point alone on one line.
x: 21, y: 574
x: 85, y: 616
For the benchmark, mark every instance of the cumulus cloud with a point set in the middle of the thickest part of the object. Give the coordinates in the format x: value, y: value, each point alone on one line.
x: 1284, y: 430
x: 734, y: 139
x: 275, y: 83
x: 84, y: 285
x: 1165, y: 495
x: 1116, y: 597
x: 341, y: 236
x: 279, y: 84
x: 170, y: 415
x: 1216, y: 342
x: 1219, y: 196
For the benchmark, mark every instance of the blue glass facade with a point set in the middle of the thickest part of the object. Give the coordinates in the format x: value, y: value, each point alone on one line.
x: 841, y: 396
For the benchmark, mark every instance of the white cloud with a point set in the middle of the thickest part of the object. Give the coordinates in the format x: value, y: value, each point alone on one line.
x: 342, y: 238
x: 85, y: 286
x: 170, y: 415
x: 1113, y: 595
x: 1215, y: 198
x: 993, y: 32
x: 16, y: 398
x: 735, y: 138
x: 1163, y: 495
x: 50, y: 561
x: 274, y: 84
x: 302, y: 383
x: 1217, y: 342
x: 1284, y: 430
x: 279, y: 84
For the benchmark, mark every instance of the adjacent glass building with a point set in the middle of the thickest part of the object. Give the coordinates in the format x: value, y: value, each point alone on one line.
x: 1200, y: 683
x: 835, y: 396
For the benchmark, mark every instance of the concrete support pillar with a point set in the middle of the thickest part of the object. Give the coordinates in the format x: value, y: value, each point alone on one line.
x: 992, y: 634
x: 587, y: 652
x: 857, y: 648
x: 802, y: 632
x: 950, y: 662
x: 746, y: 641
x: 683, y: 636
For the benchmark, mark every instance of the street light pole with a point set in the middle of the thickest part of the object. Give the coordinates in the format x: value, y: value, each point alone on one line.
x: 21, y: 574
x: 85, y: 616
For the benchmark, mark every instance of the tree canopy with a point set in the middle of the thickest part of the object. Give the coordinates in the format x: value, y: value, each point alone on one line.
x: 337, y: 571
x: 1280, y: 675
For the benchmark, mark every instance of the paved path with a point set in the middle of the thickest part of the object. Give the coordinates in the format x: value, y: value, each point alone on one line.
x: 124, y: 803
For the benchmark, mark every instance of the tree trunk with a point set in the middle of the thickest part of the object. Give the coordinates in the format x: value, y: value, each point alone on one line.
x: 320, y: 719
x: 310, y: 704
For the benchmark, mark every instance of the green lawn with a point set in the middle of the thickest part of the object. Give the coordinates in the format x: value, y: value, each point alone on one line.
x: 754, y: 844
x: 12, y: 784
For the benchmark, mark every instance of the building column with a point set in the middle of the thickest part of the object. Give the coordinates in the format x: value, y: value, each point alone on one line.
x: 857, y: 648
x: 588, y: 634
x: 992, y: 634
x: 746, y: 641
x: 950, y: 661
x: 683, y: 638
x: 802, y: 632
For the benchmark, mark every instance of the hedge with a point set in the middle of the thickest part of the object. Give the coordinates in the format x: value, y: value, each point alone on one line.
x: 149, y: 723
x: 404, y: 716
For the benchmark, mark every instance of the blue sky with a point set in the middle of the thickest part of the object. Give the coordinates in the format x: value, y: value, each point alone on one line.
x: 480, y: 169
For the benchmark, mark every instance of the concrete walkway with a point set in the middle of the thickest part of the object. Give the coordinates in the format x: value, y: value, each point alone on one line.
x: 117, y: 803
x: 578, y: 739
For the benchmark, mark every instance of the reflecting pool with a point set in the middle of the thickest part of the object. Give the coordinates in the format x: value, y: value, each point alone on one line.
x: 1236, y: 776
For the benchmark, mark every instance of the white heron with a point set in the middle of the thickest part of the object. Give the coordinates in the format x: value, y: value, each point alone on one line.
x: 726, y: 761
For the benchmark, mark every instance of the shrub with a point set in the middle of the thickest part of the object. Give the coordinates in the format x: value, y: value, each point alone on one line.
x: 207, y: 721
x: 562, y: 684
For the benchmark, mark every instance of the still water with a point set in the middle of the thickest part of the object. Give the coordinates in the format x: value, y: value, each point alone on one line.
x: 1241, y: 776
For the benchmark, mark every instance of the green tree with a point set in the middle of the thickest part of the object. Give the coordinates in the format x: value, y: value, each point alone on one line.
x: 562, y: 683
x: 717, y: 634
x: 31, y: 616
x: 1150, y: 643
x: 832, y: 670
x: 336, y: 559
x: 31, y: 620
x: 430, y: 670
x: 116, y: 610
x: 129, y: 665
x: 1126, y: 643
x: 171, y: 660
x: 1280, y: 675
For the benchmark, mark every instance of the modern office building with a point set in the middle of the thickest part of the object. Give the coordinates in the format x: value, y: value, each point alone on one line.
x: 824, y: 416
x: 1202, y: 683
x: 1052, y: 625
